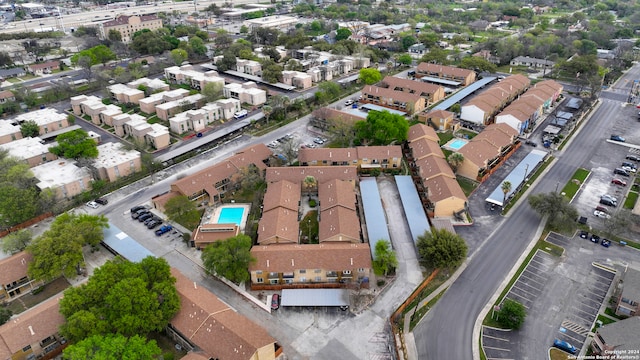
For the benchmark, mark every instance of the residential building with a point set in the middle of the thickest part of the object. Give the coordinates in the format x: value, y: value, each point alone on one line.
x: 186, y: 74
x: 485, y: 152
x: 166, y: 110
x: 34, y: 334
x: 247, y: 93
x: 90, y: 105
x: 481, y: 108
x: 152, y: 85
x: 629, y: 298
x: 209, y: 184
x: 320, y: 173
x: 206, y: 324
x: 326, y: 263
x: 197, y: 120
x: 487, y: 55
x: 206, y: 234
x: 30, y: 150
x: 148, y: 104
x: 9, y: 131
x: 280, y: 215
x: 114, y: 161
x: 43, y: 68
x: 250, y: 67
x: 442, y: 120
x: 618, y: 340
x: 48, y: 119
x: 523, y: 113
x: 136, y: 126
x: 325, y: 116
x: 108, y: 113
x: 361, y: 156
x: 339, y: 220
x: 129, y: 25
x: 296, y: 78
x: 14, y: 278
x: 430, y: 92
x: 281, y: 50
x: 280, y: 22
x: 6, y: 95
x: 125, y: 94
x: 532, y: 62
x: 420, y: 131
x: 397, y: 100
x: 462, y: 76
x: 63, y: 177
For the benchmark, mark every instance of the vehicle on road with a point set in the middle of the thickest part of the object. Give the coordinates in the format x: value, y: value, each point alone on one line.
x: 92, y: 204
x: 275, y: 302
x: 619, y: 182
x: 164, y: 229
x: 240, y: 114
x: 617, y: 138
x: 565, y: 346
x: 348, y: 102
x: 606, y: 243
x: 101, y: 201
x: 595, y: 238
x: 601, y: 214
x: 621, y: 171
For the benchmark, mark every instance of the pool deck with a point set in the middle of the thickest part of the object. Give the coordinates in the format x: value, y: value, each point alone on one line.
x: 213, y: 219
x: 452, y: 148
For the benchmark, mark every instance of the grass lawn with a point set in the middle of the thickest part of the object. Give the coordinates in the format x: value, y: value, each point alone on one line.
x: 609, y: 311
x: 557, y: 354
x: 572, y: 187
x: 468, y: 186
x: 470, y: 134
x: 630, y: 201
x: 14, y: 80
x: 445, y: 137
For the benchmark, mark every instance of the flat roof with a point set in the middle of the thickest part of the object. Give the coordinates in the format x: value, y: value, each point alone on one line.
x: 382, y: 108
x: 257, y: 79
x: 440, y: 81
x: 26, y: 148
x: 58, y: 173
x: 112, y: 154
x: 516, y: 177
x: 412, y: 206
x: 466, y: 91
x: 42, y: 116
x: 374, y: 214
x: 315, y: 297
x: 550, y: 129
x: 122, y: 244
x: 54, y: 134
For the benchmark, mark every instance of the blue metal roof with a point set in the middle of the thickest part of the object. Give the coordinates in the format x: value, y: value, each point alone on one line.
x: 516, y: 176
x: 436, y: 80
x: 373, y: 214
x: 457, y: 97
x: 416, y: 217
x: 122, y: 244
x: 315, y: 297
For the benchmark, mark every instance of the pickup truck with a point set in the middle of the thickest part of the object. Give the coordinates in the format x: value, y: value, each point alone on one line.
x: 164, y: 229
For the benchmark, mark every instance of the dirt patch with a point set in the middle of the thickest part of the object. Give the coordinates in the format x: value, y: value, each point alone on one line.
x: 30, y: 300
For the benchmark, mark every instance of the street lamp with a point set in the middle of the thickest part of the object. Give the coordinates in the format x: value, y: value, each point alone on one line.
x: 309, y: 230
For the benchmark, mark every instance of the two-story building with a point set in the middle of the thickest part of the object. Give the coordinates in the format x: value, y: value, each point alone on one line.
x: 247, y: 93
x: 385, y: 157
x: 430, y: 92
x: 30, y: 150
x: 114, y: 161
x: 392, y: 99
x: 618, y: 340
x: 9, y: 132
x: 63, y: 177
x: 523, y: 113
x: 298, y: 79
x: 186, y: 74
x: 430, y: 71
x: 14, y: 278
x: 197, y: 120
x: 48, y: 119
x: 481, y: 108
x: 148, y: 104
x: 486, y: 151
x: 443, y: 120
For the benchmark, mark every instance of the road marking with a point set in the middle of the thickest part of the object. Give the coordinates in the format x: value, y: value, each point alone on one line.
x: 496, y: 348
x: 528, y: 292
x: 494, y: 337
x: 576, y: 328
x: 535, y: 281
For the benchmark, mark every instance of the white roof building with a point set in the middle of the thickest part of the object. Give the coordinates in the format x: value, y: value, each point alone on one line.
x: 280, y: 22
x: 63, y: 177
x: 41, y: 117
x: 113, y: 154
x: 153, y: 84
x: 29, y: 149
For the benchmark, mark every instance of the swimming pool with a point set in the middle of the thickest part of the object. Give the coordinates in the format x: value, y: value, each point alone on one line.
x: 455, y: 144
x: 231, y: 215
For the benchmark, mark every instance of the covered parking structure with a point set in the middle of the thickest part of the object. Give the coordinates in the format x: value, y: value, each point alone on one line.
x: 517, y: 177
x: 315, y: 297
x: 374, y: 216
x: 460, y: 95
x: 121, y: 244
x: 412, y: 206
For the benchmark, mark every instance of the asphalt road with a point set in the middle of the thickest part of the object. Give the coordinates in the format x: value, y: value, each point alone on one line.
x: 447, y: 331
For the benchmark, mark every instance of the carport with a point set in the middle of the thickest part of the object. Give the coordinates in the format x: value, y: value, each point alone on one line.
x: 315, y: 297
x: 119, y: 243
x: 374, y: 216
x: 413, y: 210
x: 517, y: 176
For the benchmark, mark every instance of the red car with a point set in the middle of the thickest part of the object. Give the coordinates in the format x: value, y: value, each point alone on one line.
x: 275, y: 302
x: 619, y: 182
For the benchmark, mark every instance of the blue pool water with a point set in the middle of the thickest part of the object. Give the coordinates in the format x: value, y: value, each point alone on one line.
x: 231, y: 215
x: 457, y: 144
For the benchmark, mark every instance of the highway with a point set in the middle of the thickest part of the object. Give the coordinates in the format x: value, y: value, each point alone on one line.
x: 447, y: 331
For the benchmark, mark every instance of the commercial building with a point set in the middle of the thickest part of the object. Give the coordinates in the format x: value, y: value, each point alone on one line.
x: 129, y: 25
x: 63, y: 177
x: 114, y: 162
x: 280, y: 22
x: 618, y: 340
x: 247, y: 93
x: 30, y: 150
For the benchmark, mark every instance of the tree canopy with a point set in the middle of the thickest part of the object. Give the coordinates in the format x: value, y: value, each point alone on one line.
x: 112, y: 347
x: 16, y: 241
x: 183, y: 211
x: 512, y: 314
x: 98, y: 54
x: 29, y: 128
x: 385, y: 261
x: 561, y: 215
x: 381, y: 128
x: 121, y: 297
x: 75, y: 144
x: 370, y: 76
x: 229, y: 258
x: 58, y: 251
x: 441, y: 248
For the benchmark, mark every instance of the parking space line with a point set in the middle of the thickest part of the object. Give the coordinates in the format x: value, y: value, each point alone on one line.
x: 496, y: 348
x: 577, y: 340
x: 603, y: 277
x: 537, y: 282
x: 528, y: 292
x: 590, y: 306
x: 522, y: 297
x: 530, y: 283
x: 490, y: 358
x: 496, y: 338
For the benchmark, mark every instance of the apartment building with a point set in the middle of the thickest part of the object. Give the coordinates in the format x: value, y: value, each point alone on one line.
x: 63, y: 177
x: 618, y: 340
x: 206, y: 234
x: 247, y: 93
x: 481, y: 108
x: 250, y: 67
x: 125, y: 94
x: 14, y: 278
x: 280, y: 22
x: 384, y: 157
x: 9, y: 132
x: 48, y: 119
x: 152, y: 85
x: 30, y: 150
x: 629, y: 298
x: 430, y: 71
x: 430, y: 92
x: 392, y: 99
x: 443, y: 120
x: 148, y: 104
x: 523, y: 113
x: 166, y: 110
x: 129, y: 25
x: 187, y: 74
x: 136, y: 126
x: 486, y: 151
x: 114, y: 161
x: 298, y: 79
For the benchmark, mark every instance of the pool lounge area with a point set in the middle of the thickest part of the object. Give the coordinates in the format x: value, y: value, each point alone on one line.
x: 455, y: 144
x: 231, y: 214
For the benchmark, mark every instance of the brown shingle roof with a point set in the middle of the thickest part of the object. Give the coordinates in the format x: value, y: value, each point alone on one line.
x: 339, y: 224
x: 45, y: 65
x: 424, y: 147
x: 6, y: 94
x: 32, y: 326
x: 282, y: 193
x: 336, y: 193
x: 379, y: 152
x: 497, y: 135
x: 418, y: 131
x: 14, y: 267
x: 442, y: 69
x: 331, y: 256
x: 439, y: 114
x: 479, y: 152
x: 320, y: 173
x: 394, y: 95
x: 213, y: 326
x: 338, y: 155
x: 405, y: 85
x: 443, y: 187
x: 278, y: 225
x: 431, y: 166
x: 208, y: 233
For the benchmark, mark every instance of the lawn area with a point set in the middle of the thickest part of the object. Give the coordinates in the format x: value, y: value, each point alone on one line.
x: 467, y: 185
x: 469, y: 134
x: 445, y: 137
x: 557, y: 354
x: 29, y: 300
x: 631, y: 199
x: 609, y: 311
x: 14, y: 80
x: 572, y: 187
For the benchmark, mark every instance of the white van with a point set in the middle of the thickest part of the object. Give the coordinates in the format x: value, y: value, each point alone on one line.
x: 240, y: 114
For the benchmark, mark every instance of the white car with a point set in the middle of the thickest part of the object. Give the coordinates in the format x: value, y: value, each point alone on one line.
x: 629, y: 169
x: 601, y: 214
x: 348, y: 102
x: 92, y: 204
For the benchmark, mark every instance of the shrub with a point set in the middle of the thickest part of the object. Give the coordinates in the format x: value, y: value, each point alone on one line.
x: 312, y: 203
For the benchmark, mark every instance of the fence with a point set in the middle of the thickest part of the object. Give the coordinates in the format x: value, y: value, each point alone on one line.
x: 25, y: 224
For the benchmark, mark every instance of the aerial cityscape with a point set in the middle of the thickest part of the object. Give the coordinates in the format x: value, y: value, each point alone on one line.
x: 291, y: 180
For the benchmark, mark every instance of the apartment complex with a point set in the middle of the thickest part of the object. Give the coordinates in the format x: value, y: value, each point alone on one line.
x: 129, y: 25
x: 430, y: 92
x: 298, y: 79
x: 114, y: 162
x: 247, y: 93
x: 186, y: 74
x: 250, y: 67
x: 62, y: 177
x: 197, y: 120
x: 149, y: 103
x: 481, y: 108
x: 14, y: 279
x: 442, y: 120
x: 433, y: 72
x: 385, y: 157
x: 523, y: 113
x: 30, y: 150
x: 48, y: 119
x: 9, y: 132
x: 617, y: 340
x: 485, y: 152
x: 409, y: 103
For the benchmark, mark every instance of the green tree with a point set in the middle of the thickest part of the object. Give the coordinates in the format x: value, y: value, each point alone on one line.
x: 30, y: 128
x: 114, y: 35
x: 212, y: 91
x: 229, y: 258
x: 381, y: 128
x: 183, y: 211
x: 267, y: 110
x: 19, y: 197
x: 455, y: 160
x: 506, y: 188
x: 511, y: 314
x: 327, y: 90
x: 436, y: 56
x: 385, y: 261
x: 179, y: 56
x: 5, y: 315
x: 342, y: 34
x: 441, y: 248
x: 16, y: 241
x: 74, y: 145
x: 244, y: 29
x: 370, y: 76
x: 561, y: 215
x: 113, y: 347
x: 405, y: 59
x: 455, y: 108
x: 407, y: 41
x: 478, y: 64
x: 121, y: 297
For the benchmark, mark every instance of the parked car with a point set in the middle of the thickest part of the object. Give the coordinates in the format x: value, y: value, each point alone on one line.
x: 348, y: 102
x: 92, y: 204
x: 275, y: 302
x: 153, y: 218
x: 601, y: 214
x: 605, y: 243
x: 629, y: 169
x: 584, y: 234
x: 531, y: 143
x: 137, y: 208
x: 603, y: 209
x: 632, y: 157
x: 629, y: 164
x: 610, y: 197
x: 144, y: 217
x: 608, y: 202
x: 164, y: 229
x: 318, y: 141
x: 101, y: 201
x: 595, y: 238
x: 153, y: 224
x: 621, y: 171
x: 619, y: 182
x: 240, y: 114
x: 139, y: 213
x: 563, y: 345
x: 617, y: 138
